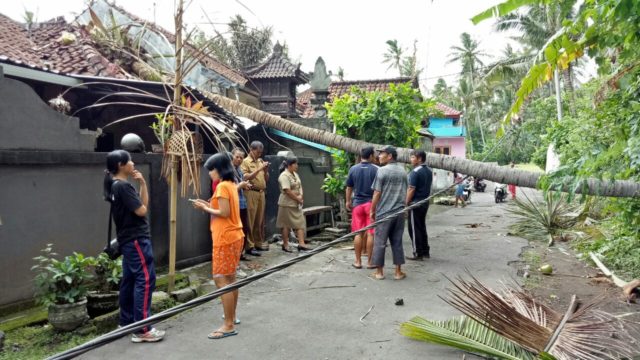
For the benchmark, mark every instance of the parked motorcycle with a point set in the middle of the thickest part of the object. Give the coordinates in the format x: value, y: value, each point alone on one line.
x: 479, y: 185
x: 466, y: 193
x: 500, y: 192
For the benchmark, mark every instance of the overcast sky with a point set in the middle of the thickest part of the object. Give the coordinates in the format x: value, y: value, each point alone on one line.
x: 346, y: 33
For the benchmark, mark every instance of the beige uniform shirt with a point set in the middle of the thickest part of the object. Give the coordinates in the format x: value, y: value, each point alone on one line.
x: 291, y: 181
x: 249, y: 166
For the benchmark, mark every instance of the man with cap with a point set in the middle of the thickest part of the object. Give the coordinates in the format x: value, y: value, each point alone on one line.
x: 389, y: 195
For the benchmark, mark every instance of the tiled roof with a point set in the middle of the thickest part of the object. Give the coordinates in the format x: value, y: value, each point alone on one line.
x: 42, y: 47
x: 277, y: 66
x: 209, y: 61
x: 447, y: 111
x: 339, y: 88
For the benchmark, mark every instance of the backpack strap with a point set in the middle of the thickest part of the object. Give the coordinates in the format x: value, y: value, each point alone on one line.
x: 111, y: 213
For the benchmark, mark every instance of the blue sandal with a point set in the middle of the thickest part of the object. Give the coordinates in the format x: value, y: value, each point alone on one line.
x: 212, y: 336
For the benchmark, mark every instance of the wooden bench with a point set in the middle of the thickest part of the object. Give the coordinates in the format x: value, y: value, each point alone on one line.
x: 317, y: 210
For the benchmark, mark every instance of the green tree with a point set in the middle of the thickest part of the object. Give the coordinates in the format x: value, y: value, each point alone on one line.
x: 390, y: 117
x: 393, y: 56
x: 241, y: 46
x: 469, y: 55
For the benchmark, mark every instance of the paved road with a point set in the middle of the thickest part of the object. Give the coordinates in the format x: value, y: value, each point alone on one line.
x: 295, y: 314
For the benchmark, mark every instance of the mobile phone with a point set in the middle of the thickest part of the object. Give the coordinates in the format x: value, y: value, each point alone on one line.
x: 193, y: 200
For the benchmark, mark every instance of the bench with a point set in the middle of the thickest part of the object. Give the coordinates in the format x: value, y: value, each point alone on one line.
x: 317, y: 210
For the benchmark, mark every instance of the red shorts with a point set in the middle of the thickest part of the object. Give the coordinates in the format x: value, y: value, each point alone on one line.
x: 360, y: 217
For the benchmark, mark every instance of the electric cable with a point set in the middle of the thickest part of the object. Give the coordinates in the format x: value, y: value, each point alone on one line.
x: 122, y: 331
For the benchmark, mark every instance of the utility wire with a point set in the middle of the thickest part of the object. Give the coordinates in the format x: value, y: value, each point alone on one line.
x: 120, y: 332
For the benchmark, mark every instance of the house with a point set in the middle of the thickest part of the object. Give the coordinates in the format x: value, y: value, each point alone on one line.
x: 449, y: 134
x: 276, y: 80
x: 442, y: 135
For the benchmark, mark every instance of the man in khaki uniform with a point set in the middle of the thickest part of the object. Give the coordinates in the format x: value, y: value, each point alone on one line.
x: 256, y: 172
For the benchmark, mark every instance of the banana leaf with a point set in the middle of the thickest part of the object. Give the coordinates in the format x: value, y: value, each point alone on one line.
x: 467, y: 335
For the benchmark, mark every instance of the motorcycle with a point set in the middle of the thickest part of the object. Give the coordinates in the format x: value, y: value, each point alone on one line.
x: 479, y: 185
x: 500, y: 192
x: 466, y: 193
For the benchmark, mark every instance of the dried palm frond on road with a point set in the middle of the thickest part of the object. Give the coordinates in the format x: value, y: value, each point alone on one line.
x: 585, y: 333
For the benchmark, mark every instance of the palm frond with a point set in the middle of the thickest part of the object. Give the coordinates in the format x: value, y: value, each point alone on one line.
x: 467, y: 335
x: 587, y: 333
x: 540, y: 220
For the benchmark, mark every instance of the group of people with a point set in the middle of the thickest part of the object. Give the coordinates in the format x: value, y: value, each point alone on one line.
x: 377, y: 191
x: 237, y: 207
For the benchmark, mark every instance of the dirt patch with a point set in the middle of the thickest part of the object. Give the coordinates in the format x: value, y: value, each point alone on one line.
x: 571, y: 275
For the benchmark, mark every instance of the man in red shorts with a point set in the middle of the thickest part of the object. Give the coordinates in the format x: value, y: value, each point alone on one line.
x: 358, y: 200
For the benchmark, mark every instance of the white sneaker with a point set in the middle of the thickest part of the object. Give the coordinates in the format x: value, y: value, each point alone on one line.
x: 152, y: 335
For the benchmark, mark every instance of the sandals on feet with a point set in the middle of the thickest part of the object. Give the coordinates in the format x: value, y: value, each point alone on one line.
x: 356, y: 266
x: 400, y: 276
x: 377, y: 276
x: 219, y: 334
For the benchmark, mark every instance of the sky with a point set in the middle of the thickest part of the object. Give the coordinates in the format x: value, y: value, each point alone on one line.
x: 348, y: 34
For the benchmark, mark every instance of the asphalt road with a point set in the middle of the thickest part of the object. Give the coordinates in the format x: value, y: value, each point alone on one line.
x: 312, y: 310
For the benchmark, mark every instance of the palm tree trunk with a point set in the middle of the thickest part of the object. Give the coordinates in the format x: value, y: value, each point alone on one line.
x: 568, y: 88
x: 504, y: 175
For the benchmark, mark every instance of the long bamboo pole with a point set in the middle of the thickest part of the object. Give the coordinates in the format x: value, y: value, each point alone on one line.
x: 500, y: 174
x: 173, y: 191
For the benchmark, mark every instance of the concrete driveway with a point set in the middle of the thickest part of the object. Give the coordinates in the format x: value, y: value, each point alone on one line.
x: 312, y: 310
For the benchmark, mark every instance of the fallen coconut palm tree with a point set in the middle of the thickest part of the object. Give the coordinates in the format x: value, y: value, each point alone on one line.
x: 504, y: 175
x: 579, y: 333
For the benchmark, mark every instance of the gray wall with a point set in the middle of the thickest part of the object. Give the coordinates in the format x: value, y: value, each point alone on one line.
x: 56, y: 197
x: 311, y: 176
x: 28, y: 123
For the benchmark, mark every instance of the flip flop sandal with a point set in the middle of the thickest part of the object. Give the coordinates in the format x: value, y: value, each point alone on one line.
x: 356, y: 266
x: 371, y: 267
x: 400, y: 277
x: 224, y: 334
x: 377, y: 276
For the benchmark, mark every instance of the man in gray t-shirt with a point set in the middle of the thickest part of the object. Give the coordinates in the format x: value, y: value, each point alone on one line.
x: 389, y: 193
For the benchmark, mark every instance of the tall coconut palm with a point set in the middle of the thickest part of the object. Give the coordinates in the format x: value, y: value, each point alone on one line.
x: 537, y: 24
x: 471, y: 58
x: 393, y: 56
x: 469, y: 55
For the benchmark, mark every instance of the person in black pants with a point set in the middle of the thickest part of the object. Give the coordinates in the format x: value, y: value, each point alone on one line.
x: 130, y: 217
x: 420, y: 179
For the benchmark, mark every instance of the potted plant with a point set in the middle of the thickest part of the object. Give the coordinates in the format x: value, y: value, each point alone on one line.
x: 108, y: 274
x: 60, y: 286
x: 162, y: 129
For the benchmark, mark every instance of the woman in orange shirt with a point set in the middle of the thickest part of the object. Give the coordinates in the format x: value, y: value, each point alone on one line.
x: 226, y: 234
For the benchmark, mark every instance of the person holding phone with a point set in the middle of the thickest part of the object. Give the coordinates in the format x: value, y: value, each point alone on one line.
x: 226, y: 235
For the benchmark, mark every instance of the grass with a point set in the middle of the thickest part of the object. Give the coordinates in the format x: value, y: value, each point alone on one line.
x: 532, y: 258
x: 23, y: 318
x: 39, y: 342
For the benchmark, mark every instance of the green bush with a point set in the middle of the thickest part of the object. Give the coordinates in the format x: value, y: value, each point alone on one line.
x: 61, y: 282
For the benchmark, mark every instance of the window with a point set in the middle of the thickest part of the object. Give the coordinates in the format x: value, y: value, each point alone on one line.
x: 442, y: 150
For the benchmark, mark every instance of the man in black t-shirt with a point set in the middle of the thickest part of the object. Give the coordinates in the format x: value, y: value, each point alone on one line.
x: 420, y: 179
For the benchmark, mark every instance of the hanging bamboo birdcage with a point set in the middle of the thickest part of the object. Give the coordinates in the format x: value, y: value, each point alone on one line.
x: 187, y: 146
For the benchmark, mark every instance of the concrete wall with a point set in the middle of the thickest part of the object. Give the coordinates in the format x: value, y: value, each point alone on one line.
x: 457, y: 145
x: 56, y: 197
x: 311, y: 176
x: 27, y: 123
